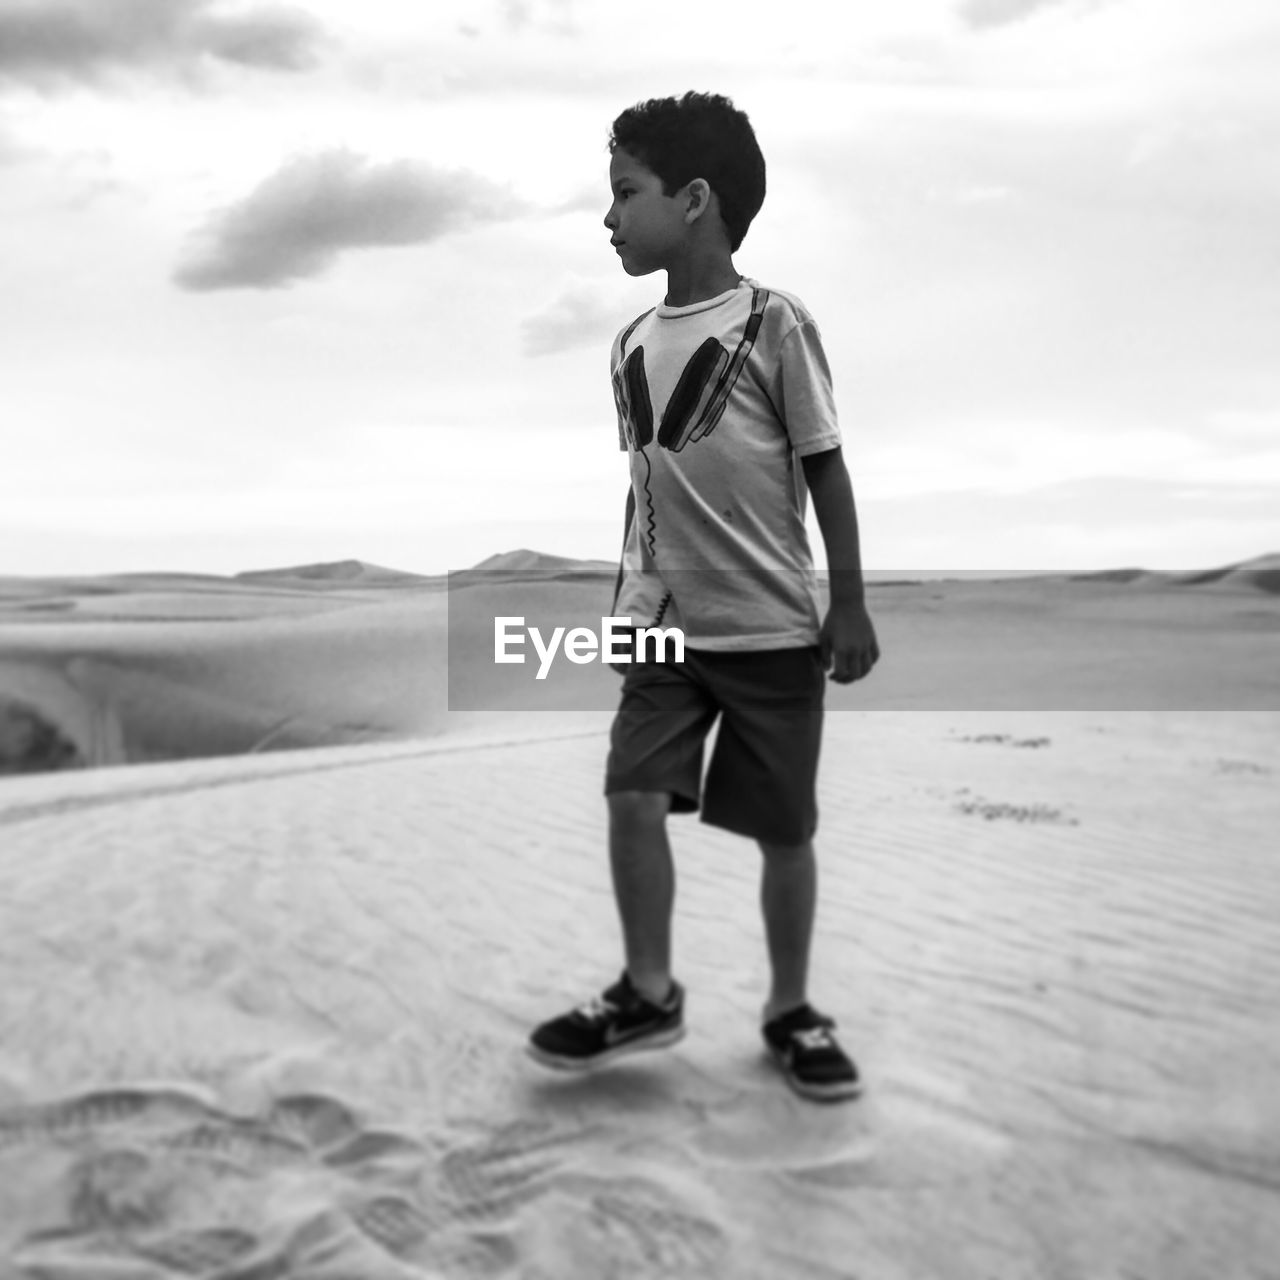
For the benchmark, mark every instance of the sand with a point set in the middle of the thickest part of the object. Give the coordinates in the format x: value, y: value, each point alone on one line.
x: 264, y: 1012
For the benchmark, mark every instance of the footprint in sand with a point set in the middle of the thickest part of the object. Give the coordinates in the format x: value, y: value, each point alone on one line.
x: 299, y: 1129
x: 245, y: 1146
x: 314, y: 1120
x: 489, y: 1180
x: 467, y: 1196
x: 643, y: 1230
x: 119, y: 1206
x: 635, y: 1227
x: 69, y: 1255
x: 999, y: 810
x: 404, y: 1230
x: 116, y: 1191
x: 374, y: 1153
x: 1007, y: 740
x: 161, y: 1181
x: 395, y: 1223
x: 201, y: 1252
x: 140, y: 1111
x: 1246, y: 767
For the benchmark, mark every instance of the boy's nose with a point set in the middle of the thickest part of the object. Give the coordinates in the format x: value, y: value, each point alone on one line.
x: 611, y: 218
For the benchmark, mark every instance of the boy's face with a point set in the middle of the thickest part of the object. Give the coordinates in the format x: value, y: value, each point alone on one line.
x: 648, y: 227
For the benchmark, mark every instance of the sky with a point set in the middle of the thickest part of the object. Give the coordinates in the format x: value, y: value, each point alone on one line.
x: 293, y: 282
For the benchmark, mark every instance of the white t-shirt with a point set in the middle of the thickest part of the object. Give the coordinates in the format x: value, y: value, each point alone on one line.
x: 716, y: 403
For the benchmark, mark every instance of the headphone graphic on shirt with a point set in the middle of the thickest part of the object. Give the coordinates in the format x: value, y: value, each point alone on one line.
x: 701, y: 392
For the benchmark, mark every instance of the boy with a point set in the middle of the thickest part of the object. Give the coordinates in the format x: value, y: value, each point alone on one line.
x: 719, y: 389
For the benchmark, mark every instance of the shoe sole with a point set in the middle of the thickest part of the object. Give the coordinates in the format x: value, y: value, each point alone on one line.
x: 659, y: 1040
x: 843, y: 1091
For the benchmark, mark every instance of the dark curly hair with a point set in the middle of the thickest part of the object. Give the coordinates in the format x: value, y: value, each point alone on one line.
x: 701, y: 135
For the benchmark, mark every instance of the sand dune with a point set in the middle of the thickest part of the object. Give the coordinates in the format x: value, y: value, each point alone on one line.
x: 168, y: 689
x: 265, y: 1009
x: 1262, y: 573
x: 338, y: 573
x: 146, y: 667
x: 526, y: 561
x: 270, y: 1015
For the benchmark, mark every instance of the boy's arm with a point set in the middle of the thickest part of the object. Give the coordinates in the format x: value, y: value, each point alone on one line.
x: 849, y: 648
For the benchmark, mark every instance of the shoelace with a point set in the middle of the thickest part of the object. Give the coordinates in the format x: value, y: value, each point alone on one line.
x: 814, y: 1038
x: 596, y: 1009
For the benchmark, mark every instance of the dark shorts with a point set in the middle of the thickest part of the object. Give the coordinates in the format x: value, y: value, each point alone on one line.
x: 762, y: 780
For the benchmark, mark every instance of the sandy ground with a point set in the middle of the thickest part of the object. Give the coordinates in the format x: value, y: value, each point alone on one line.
x: 264, y: 1013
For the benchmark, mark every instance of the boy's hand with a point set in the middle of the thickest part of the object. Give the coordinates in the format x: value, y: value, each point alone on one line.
x: 848, y: 640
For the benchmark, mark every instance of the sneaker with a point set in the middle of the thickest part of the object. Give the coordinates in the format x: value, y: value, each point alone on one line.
x: 618, y: 1022
x: 811, y: 1058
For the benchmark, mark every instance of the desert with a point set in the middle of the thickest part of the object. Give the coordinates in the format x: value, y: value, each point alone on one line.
x: 291, y: 870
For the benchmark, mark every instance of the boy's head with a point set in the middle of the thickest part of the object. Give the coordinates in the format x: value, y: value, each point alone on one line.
x: 701, y: 135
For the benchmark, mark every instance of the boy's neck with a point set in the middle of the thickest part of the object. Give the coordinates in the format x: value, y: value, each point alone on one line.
x: 699, y: 277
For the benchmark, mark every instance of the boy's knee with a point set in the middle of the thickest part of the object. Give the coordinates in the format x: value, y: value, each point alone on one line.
x: 639, y: 808
x: 786, y: 853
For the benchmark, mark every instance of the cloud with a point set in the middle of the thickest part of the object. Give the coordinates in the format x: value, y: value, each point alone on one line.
x: 586, y: 199
x: 298, y: 220
x: 581, y: 316
x: 1000, y: 13
x: 10, y: 152
x: 1087, y: 522
x: 553, y: 15
x: 50, y: 41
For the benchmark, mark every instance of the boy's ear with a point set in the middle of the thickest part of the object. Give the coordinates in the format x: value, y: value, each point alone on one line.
x: 698, y: 199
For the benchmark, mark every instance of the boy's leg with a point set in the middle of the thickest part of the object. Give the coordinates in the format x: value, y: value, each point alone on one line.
x: 762, y: 784
x: 654, y: 768
x: 644, y: 886
x: 788, y: 900
x: 801, y: 1039
x: 644, y: 1009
